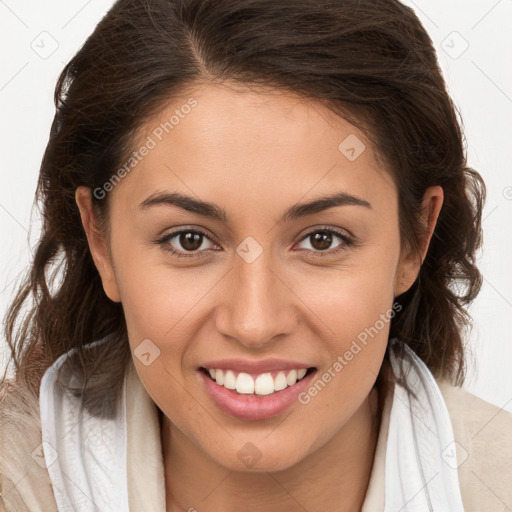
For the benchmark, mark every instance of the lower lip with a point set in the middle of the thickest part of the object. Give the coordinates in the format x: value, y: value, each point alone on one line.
x: 254, y: 407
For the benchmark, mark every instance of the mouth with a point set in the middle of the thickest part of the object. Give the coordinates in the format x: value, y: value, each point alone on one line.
x: 261, y: 384
x: 255, y: 396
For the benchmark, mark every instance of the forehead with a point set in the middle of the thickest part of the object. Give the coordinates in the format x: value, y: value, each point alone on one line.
x: 257, y: 145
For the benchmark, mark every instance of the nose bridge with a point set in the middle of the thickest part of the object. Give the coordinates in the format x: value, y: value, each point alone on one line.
x: 256, y: 308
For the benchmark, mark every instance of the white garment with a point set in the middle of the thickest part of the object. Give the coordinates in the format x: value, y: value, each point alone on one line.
x: 421, y: 465
x: 87, y: 458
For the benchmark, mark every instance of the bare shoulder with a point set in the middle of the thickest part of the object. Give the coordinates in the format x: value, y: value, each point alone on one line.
x: 483, y: 439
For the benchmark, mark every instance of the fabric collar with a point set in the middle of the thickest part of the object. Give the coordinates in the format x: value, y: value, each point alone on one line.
x: 117, y: 466
x: 421, y: 468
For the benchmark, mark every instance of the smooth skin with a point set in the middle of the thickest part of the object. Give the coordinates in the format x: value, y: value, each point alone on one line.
x: 255, y: 153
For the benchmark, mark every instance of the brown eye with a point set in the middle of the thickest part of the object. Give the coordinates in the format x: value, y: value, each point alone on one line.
x: 185, y: 241
x: 190, y: 240
x: 322, y: 239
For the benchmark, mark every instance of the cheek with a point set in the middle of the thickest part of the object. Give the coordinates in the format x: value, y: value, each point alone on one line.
x: 355, y: 307
x: 168, y: 306
x: 160, y: 305
x: 155, y: 296
x: 353, y: 296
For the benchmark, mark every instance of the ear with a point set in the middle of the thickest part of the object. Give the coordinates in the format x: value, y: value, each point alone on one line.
x: 410, y: 263
x: 97, y: 243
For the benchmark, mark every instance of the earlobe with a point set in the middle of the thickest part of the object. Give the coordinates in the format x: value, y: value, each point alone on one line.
x: 97, y: 243
x: 410, y: 264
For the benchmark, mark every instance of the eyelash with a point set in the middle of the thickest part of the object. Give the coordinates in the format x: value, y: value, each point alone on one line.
x: 163, y: 242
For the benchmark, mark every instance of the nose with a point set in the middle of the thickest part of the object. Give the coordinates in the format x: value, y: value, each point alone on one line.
x: 259, y: 305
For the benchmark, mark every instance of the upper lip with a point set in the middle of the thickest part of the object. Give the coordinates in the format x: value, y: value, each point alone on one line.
x: 248, y: 366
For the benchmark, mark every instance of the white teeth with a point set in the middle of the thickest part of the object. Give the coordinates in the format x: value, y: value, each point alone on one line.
x: 229, y: 380
x: 244, y: 384
x: 291, y: 378
x: 280, y: 381
x: 264, y: 384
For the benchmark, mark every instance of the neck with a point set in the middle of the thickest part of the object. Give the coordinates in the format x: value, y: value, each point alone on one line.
x: 332, y: 479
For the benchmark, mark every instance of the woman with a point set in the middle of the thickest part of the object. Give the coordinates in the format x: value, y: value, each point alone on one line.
x: 261, y: 209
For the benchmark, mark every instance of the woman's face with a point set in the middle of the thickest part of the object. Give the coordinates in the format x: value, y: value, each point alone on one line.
x: 261, y: 287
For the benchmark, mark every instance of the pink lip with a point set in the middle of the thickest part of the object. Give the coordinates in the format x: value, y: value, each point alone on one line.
x: 255, y: 367
x: 254, y: 407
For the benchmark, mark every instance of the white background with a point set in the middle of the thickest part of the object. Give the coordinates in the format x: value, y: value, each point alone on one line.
x: 38, y: 38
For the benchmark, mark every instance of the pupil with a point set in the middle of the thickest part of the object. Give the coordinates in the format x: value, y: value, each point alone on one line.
x: 322, y: 240
x: 189, y: 240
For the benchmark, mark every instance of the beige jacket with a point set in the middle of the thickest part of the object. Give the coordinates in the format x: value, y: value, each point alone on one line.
x: 483, y: 435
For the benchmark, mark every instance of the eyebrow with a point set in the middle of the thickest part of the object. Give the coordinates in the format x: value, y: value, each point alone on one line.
x: 213, y: 211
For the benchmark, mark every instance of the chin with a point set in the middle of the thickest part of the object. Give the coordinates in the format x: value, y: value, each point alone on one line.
x: 260, y: 455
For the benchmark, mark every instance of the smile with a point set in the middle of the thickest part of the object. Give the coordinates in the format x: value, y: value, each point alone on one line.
x: 250, y: 390
x: 259, y: 384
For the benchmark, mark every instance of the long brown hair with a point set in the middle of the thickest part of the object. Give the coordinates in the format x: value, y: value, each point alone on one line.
x: 371, y: 61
